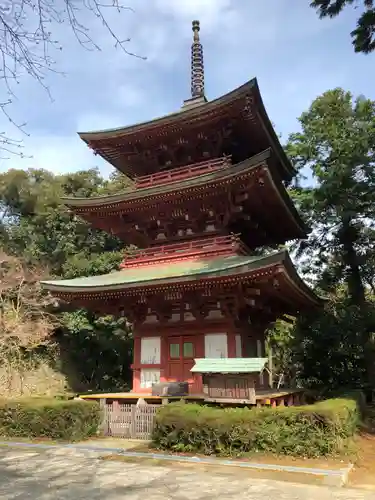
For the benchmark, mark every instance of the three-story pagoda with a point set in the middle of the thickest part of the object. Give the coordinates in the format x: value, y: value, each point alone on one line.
x: 209, y: 193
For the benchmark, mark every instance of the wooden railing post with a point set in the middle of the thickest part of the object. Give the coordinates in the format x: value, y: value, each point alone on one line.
x: 182, y: 172
x: 133, y: 421
x: 104, y: 424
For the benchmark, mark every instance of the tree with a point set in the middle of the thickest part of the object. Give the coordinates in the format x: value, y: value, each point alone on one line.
x: 35, y: 225
x: 26, y: 320
x: 327, y: 348
x: 28, y: 39
x: 337, y: 143
x: 364, y: 34
x: 38, y: 230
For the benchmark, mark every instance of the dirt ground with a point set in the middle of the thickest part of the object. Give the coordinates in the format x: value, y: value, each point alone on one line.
x: 67, y: 474
x: 144, y: 446
x: 363, y: 474
x: 362, y: 455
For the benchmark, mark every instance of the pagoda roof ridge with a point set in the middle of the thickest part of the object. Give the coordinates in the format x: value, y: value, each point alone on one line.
x: 194, y: 113
x: 232, y: 170
x: 189, y: 185
x: 186, y: 111
x: 140, y: 192
x: 177, y: 270
x: 196, y: 273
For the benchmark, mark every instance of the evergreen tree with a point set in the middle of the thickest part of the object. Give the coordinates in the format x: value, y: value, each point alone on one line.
x: 363, y: 35
x: 337, y: 143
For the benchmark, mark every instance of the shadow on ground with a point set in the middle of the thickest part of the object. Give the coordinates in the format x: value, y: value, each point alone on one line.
x: 66, y: 474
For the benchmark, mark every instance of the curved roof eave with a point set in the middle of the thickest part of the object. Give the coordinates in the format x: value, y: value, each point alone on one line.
x: 231, y: 171
x: 164, y: 273
x: 298, y: 282
x: 184, y: 113
x: 272, y: 134
x: 170, y: 118
x: 136, y: 194
x: 222, y: 268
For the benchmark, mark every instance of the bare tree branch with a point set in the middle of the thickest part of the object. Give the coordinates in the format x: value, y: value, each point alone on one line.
x: 27, y: 40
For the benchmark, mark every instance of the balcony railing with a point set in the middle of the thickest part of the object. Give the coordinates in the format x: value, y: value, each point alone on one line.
x: 213, y: 246
x: 181, y: 173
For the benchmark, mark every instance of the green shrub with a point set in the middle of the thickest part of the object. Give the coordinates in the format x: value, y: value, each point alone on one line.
x: 49, y: 418
x: 311, y: 431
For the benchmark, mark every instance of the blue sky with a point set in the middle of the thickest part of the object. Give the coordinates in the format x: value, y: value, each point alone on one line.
x: 294, y: 55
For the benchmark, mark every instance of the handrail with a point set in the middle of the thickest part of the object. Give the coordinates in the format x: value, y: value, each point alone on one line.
x: 186, y: 245
x: 184, y: 172
x: 217, y: 245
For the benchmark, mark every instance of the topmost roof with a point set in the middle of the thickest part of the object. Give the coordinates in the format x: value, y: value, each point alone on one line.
x: 202, y: 108
x: 137, y: 149
x: 186, y: 117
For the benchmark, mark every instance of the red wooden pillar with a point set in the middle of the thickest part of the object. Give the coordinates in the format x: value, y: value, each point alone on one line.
x: 164, y: 358
x: 231, y: 339
x: 199, y: 353
x: 137, y: 363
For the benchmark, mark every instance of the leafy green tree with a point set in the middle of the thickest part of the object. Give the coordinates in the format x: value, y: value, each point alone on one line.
x: 39, y: 230
x: 337, y: 143
x: 364, y: 34
x: 328, y: 349
x: 35, y: 225
x: 280, y: 338
x: 98, y: 350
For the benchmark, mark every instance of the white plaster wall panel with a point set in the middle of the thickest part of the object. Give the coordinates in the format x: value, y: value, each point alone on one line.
x: 238, y: 346
x: 214, y: 314
x: 151, y: 318
x: 215, y: 345
x: 149, y: 376
x: 188, y: 316
x: 150, y: 350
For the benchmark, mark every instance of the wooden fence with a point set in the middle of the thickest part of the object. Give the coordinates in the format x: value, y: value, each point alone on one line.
x: 128, y: 421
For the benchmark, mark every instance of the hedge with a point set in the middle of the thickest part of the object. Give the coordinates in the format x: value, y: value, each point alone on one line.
x: 49, y: 418
x: 310, y: 431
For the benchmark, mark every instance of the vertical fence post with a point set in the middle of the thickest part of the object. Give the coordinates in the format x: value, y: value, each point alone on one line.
x: 103, y: 428
x: 133, y: 421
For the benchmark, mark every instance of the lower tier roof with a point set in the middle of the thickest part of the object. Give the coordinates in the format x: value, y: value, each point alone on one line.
x: 189, y: 274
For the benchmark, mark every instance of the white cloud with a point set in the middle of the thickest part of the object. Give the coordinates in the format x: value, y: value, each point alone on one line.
x: 294, y: 55
x: 209, y: 12
x: 57, y: 153
x: 98, y: 121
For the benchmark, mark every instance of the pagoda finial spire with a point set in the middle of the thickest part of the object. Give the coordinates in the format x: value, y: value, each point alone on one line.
x: 197, y: 66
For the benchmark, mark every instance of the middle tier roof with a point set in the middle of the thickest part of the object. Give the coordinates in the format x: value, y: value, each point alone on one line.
x: 248, y: 198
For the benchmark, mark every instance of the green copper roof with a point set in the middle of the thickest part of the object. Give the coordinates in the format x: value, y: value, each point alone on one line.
x: 186, y: 272
x: 229, y: 365
x: 164, y: 273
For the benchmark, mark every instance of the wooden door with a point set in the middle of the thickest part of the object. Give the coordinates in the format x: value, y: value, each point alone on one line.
x: 181, y: 353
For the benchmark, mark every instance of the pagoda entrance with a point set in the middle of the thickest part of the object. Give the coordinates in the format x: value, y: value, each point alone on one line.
x: 181, y: 354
